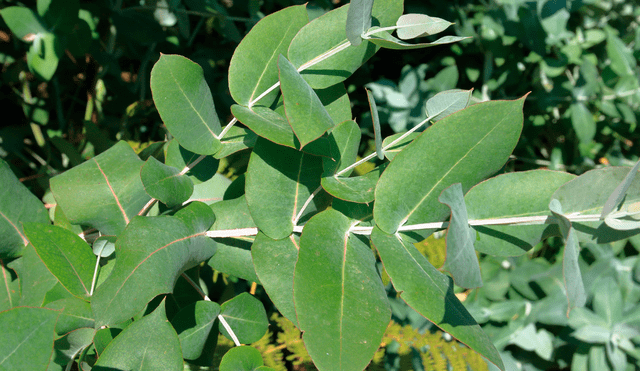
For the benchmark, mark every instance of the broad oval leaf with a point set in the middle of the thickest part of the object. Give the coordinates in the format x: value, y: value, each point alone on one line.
x: 279, y: 181
x: 246, y: 316
x: 358, y: 20
x: 26, y: 341
x: 177, y: 156
x: 520, y: 194
x: 411, y: 26
x: 165, y: 183
x: 44, y: 54
x: 185, y: 104
x: 35, y: 279
x: 252, y: 69
x: 341, y: 305
x: 194, y: 324
x: 430, y: 293
x: 76, y: 313
x: 22, y: 21
x: 155, y: 341
x: 391, y: 151
x: 266, y: 123
x: 359, y: 189
x: 104, y: 192
x: 244, y: 358
x: 67, y: 256
x: 152, y: 253
x: 327, y: 32
x: 465, y: 148
x: 447, y: 102
x: 17, y: 205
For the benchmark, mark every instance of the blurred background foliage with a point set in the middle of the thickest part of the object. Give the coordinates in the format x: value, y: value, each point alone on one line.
x: 75, y: 79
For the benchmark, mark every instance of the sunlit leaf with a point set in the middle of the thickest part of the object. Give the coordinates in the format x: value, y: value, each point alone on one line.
x: 165, y: 183
x: 246, y: 316
x: 583, y: 122
x: 360, y: 189
x: 266, y: 123
x: 358, y: 20
x: 26, y: 341
x: 447, y: 102
x: 619, y: 193
x: 411, y: 26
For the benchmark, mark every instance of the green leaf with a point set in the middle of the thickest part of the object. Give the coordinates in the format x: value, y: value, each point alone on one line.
x: 305, y: 112
x: 44, y: 54
x: 156, y: 345
x: 385, y: 40
x: 161, y: 247
x: 291, y: 176
x: 336, y: 101
x: 327, y: 32
x: 185, y: 104
x: 583, y: 122
x: 59, y: 15
x: 211, y: 191
x: 620, y: 55
x: 76, y: 313
x: 620, y: 192
x: 376, y: 124
x: 179, y: 157
x: 22, y: 21
x: 447, y: 102
x: 104, y: 192
x: 244, y: 358
x: 593, y: 334
x: 17, y: 205
x: 344, y: 141
x: 430, y: 293
x: 391, y: 152
x: 267, y: 124
x: 236, y: 139
x: 274, y: 262
x: 462, y: 261
x: 411, y: 26
x: 165, y: 183
x: 576, y: 293
x: 9, y: 287
x: 66, y: 348
x: 341, y: 305
x: 608, y: 302
x: 511, y: 195
x: 465, y: 147
x: 358, y: 20
x: 26, y: 341
x: 359, y: 189
x: 35, y: 279
x: 252, y: 69
x: 65, y: 254
x: 194, y: 324
x: 246, y: 316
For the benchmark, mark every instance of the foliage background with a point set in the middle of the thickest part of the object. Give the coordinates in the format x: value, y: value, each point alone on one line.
x: 577, y: 58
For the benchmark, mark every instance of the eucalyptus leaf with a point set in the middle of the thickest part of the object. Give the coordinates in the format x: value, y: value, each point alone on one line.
x: 358, y: 20
x: 27, y: 338
x: 44, y: 54
x: 243, y: 358
x: 75, y: 313
x: 391, y: 152
x: 267, y: 124
x: 9, y: 287
x: 344, y: 141
x: 447, y: 102
x: 583, y: 122
x: 619, y: 193
x: 411, y: 26
x: 22, y: 21
x: 35, y: 279
x: 165, y: 183
x: 385, y: 40
x: 194, y: 325
x: 246, y: 316
x: 359, y: 189
x: 376, y: 124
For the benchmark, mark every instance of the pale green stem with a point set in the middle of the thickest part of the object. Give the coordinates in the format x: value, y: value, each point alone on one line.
x: 95, y: 271
x: 295, y: 221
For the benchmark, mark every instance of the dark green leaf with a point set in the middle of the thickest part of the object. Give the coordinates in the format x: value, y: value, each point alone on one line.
x: 66, y: 348
x: 179, y: 157
x: 161, y: 247
x: 154, y: 340
x: 104, y: 192
x: 44, y: 54
x: 430, y: 293
x: 17, y: 205
x: 358, y: 20
x: 9, y: 287
x: 376, y: 124
x: 252, y: 69
x: 246, y: 316
x: 266, y: 123
x: 35, y: 279
x: 185, y: 104
x: 341, y: 305
x: 461, y: 148
x: 59, y: 15
x: 583, y: 122
x: 26, y: 340
x: 76, y: 313
x: 194, y: 324
x: 242, y: 358
x: 165, y: 183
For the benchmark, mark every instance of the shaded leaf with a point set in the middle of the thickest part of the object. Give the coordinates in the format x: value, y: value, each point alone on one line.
x: 341, y: 305
x: 26, y: 341
x: 156, y: 344
x: 344, y: 141
x: 235, y: 140
x: 185, y: 104
x: 66, y: 348
x: 358, y: 20
x: 194, y: 324
x: 583, y: 122
x: 252, y: 69
x: 179, y: 157
x: 376, y: 124
x: 17, y: 205
x: 9, y: 287
x: 246, y: 316
x: 391, y: 152
x: 65, y: 254
x: 266, y: 123
x: 35, y: 279
x: 461, y: 148
x: 165, y: 183
x: 358, y: 189
x: 161, y: 247
x: 430, y: 293
x: 385, y: 40
x: 411, y: 26
x: 104, y: 192
x: 447, y: 102
x: 75, y: 313
x: 462, y: 261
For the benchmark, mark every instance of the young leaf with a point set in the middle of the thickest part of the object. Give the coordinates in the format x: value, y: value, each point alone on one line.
x: 430, y: 293
x: 511, y: 195
x: 26, y: 341
x: 447, y: 102
x: 618, y: 194
x: 461, y: 148
x: 156, y: 343
x: 185, y: 104
x: 462, y: 261
x: 246, y: 316
x: 17, y: 205
x: 576, y: 294
x: 376, y: 124
x: 165, y: 183
x: 358, y: 20
x: 65, y: 254
x: 326, y: 33
x: 305, y: 112
x: 341, y: 305
x: 162, y: 247
x: 104, y: 192
x: 66, y: 348
x: 385, y: 40
x: 411, y: 26
x: 359, y: 189
x: 193, y: 324
x: 252, y: 69
x: 267, y: 124
x: 244, y: 358
x: 274, y: 262
x: 292, y: 177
